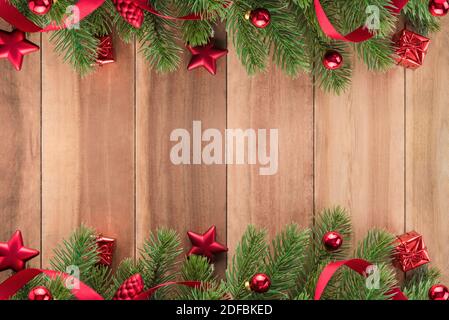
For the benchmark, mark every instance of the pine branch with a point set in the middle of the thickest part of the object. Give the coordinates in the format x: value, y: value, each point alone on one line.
x: 286, y: 260
x: 197, y: 268
x: 158, y: 258
x: 417, y: 285
x: 247, y: 261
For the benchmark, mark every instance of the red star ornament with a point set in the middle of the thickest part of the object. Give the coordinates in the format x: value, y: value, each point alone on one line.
x: 205, y: 244
x: 14, y: 45
x: 13, y: 255
x: 206, y: 56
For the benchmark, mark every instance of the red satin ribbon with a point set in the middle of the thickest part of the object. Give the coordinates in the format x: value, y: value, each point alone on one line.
x: 13, y: 284
x: 359, y: 35
x: 359, y: 266
x: 14, y: 17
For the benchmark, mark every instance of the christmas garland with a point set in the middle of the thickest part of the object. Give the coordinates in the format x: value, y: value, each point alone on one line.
x: 299, y: 264
x: 299, y: 35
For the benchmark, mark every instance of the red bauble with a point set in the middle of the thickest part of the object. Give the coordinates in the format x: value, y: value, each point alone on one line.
x: 332, y: 240
x: 39, y: 294
x: 438, y: 8
x: 332, y: 60
x: 260, y: 18
x: 131, y: 288
x: 13, y: 255
x: 13, y: 46
x: 206, y: 56
x: 130, y: 11
x: 259, y: 283
x: 40, y: 7
x: 205, y: 244
x: 439, y: 292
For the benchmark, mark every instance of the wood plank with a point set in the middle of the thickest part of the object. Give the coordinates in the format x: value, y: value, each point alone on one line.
x: 88, y: 150
x: 427, y: 180
x: 20, y: 145
x: 359, y: 150
x: 183, y: 197
x: 271, y: 101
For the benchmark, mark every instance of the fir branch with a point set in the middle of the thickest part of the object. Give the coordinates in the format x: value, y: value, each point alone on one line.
x: 158, y: 258
x: 247, y: 261
x: 417, y: 285
x: 418, y: 17
x: 79, y: 251
x: 286, y: 260
x: 197, y: 268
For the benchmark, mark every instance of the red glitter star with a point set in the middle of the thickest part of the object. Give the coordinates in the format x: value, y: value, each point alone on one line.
x: 205, y: 244
x: 206, y: 56
x: 13, y: 254
x: 14, y: 45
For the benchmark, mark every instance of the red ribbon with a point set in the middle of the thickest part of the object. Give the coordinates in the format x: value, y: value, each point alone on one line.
x: 13, y: 284
x: 360, y: 34
x: 14, y: 17
x: 359, y: 266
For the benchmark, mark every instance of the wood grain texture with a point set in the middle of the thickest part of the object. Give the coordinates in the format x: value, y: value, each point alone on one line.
x: 88, y: 150
x: 427, y: 179
x: 20, y: 109
x: 359, y: 151
x: 183, y: 197
x: 271, y: 101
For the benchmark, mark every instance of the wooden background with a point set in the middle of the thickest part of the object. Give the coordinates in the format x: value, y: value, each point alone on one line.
x: 96, y: 150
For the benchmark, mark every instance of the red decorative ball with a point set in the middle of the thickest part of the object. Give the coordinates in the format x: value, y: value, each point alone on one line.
x: 260, y: 18
x: 332, y: 240
x: 259, y: 283
x: 438, y: 8
x: 439, y: 292
x: 40, y: 7
x: 332, y: 60
x: 39, y: 294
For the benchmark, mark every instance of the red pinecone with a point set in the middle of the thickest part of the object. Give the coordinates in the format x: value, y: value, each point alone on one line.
x: 130, y: 11
x: 132, y: 287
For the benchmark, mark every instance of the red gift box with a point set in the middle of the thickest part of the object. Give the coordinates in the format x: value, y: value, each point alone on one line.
x: 105, y: 53
x: 105, y: 250
x: 410, y: 251
x: 411, y: 49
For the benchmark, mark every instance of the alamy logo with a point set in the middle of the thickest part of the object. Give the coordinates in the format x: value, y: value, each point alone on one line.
x: 212, y: 147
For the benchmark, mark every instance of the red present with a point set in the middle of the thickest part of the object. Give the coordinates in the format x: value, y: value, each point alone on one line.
x: 105, y: 250
x: 105, y: 53
x: 410, y: 251
x: 411, y: 49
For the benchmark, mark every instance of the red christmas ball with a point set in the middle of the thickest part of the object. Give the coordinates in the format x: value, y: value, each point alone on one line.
x: 438, y: 8
x: 40, y: 7
x: 332, y: 240
x: 40, y: 293
x: 260, y: 18
x: 439, y: 292
x: 332, y: 60
x: 259, y: 283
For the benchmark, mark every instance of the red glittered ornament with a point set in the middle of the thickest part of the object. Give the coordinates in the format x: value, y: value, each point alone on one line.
x: 130, y: 11
x: 259, y: 283
x: 332, y: 240
x: 332, y: 60
x: 132, y: 287
x: 40, y: 293
x: 260, y: 18
x: 439, y: 292
x: 438, y: 8
x: 105, y: 249
x: 40, y: 7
